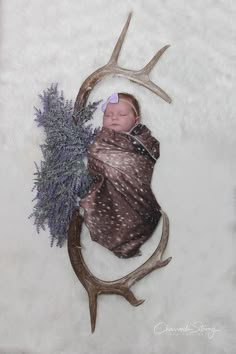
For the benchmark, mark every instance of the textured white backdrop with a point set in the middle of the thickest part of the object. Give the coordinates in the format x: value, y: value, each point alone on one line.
x: 44, y: 308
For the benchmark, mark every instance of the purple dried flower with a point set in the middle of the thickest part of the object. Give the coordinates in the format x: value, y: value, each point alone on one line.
x: 62, y: 177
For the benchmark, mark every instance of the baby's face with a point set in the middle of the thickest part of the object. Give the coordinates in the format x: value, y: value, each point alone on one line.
x: 120, y: 117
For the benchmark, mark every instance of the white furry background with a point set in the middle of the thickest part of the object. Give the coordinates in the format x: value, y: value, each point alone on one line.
x: 44, y: 308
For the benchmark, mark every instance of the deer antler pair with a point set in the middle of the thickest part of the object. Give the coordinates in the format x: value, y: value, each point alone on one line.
x: 93, y: 285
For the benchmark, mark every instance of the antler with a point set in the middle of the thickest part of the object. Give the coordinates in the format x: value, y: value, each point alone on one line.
x: 140, y: 77
x: 95, y: 286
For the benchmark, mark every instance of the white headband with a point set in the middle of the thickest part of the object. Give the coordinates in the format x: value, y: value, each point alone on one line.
x: 114, y: 98
x: 123, y: 100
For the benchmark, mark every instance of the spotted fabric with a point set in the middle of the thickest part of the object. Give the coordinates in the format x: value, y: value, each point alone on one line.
x: 120, y: 210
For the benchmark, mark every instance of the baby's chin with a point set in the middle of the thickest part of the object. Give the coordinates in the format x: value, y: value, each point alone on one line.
x: 117, y: 128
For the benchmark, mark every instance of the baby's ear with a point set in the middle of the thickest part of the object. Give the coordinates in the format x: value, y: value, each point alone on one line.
x: 137, y: 119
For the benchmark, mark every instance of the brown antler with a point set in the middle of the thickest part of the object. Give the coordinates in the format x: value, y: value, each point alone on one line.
x: 95, y: 286
x: 141, y: 77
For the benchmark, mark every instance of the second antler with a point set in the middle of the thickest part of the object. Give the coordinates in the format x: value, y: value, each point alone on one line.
x: 95, y: 286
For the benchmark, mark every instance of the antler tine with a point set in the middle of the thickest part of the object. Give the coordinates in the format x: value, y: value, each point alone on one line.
x: 95, y: 286
x: 147, y: 69
x: 145, y: 81
x: 155, y: 261
x: 118, y: 46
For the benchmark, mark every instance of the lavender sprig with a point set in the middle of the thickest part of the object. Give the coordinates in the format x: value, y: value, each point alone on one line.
x: 61, y: 178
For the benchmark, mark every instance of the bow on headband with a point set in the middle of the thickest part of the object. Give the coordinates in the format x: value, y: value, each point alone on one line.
x: 114, y: 98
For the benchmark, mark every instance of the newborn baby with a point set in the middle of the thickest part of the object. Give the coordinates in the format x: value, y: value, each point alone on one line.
x: 121, y: 211
x: 120, y: 113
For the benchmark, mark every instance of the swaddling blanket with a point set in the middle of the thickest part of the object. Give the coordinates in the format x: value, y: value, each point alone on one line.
x: 120, y: 210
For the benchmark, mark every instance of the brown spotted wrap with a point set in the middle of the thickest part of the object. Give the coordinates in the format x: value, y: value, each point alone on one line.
x: 121, y: 211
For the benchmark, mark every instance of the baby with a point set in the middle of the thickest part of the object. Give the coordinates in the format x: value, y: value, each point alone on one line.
x: 121, y: 112
x: 121, y: 211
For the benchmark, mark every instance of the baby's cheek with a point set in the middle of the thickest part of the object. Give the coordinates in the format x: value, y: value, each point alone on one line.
x: 105, y: 123
x: 130, y: 123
